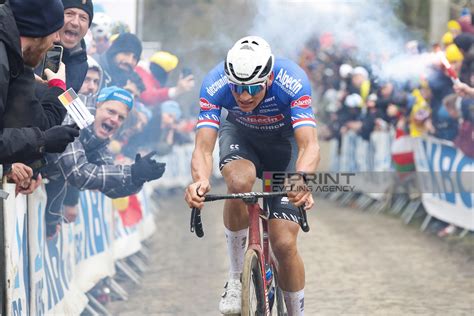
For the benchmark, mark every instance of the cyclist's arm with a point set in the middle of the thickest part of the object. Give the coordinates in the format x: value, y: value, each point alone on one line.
x: 308, y: 149
x: 201, y: 163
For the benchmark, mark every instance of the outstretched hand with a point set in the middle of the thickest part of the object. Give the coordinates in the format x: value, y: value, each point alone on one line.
x: 146, y: 169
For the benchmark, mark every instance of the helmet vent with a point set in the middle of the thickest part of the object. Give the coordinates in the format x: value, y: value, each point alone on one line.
x: 247, y: 47
x: 267, y: 69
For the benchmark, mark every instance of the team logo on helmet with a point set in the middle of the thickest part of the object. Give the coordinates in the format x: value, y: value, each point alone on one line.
x: 303, y: 102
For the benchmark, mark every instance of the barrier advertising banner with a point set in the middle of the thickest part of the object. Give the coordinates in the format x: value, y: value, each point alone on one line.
x: 16, y: 253
x: 447, y: 173
x: 36, y: 238
x: 93, y: 239
x: 63, y: 295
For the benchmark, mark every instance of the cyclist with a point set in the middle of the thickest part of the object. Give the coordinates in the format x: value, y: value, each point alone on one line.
x: 269, y: 126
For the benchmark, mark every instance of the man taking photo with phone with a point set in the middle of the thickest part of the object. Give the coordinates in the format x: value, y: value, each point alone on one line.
x: 28, y: 125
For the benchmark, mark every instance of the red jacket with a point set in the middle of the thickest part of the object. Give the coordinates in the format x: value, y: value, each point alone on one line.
x: 153, y: 93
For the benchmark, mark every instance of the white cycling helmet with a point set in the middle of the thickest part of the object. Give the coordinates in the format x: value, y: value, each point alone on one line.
x: 345, y: 70
x: 101, y: 25
x: 249, y: 61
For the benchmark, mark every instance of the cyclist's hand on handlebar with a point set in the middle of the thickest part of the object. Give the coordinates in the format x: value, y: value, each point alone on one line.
x: 194, y: 194
x: 309, y: 203
x: 299, y: 198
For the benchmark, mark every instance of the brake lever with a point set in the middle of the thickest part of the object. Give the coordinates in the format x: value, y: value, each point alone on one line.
x: 196, y: 222
x: 303, y: 220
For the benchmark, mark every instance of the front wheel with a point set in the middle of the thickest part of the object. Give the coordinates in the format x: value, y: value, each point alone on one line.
x: 253, y: 294
x: 279, y: 307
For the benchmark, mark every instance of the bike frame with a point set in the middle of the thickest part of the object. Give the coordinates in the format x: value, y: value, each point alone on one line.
x: 256, y: 215
x: 259, y: 245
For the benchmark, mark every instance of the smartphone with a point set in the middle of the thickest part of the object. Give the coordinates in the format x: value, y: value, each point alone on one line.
x: 186, y: 72
x: 52, y: 59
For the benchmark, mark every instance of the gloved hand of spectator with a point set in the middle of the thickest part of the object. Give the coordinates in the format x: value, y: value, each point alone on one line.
x: 61, y: 74
x: 58, y: 137
x: 146, y: 169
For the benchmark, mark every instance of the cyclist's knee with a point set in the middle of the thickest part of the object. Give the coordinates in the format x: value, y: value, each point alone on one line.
x: 240, y: 184
x: 239, y: 176
x: 284, y: 247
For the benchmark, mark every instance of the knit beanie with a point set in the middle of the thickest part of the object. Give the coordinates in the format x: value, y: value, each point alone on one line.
x: 38, y: 18
x: 125, y: 43
x: 85, y: 5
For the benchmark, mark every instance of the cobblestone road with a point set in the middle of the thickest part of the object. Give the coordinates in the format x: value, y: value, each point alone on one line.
x: 357, y: 264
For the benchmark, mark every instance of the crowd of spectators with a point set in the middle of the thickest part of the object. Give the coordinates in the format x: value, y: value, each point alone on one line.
x: 354, y: 95
x: 137, y: 114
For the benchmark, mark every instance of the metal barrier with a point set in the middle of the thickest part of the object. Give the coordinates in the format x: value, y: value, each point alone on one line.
x: 450, y: 200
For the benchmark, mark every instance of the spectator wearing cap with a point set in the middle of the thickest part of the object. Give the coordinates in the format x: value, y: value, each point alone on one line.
x: 169, y: 134
x: 120, y: 59
x: 162, y: 63
x: 465, y: 21
x: 88, y: 165
x: 78, y: 16
x: 361, y: 83
x: 27, y: 125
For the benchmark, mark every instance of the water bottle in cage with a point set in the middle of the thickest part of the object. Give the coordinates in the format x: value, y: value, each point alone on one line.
x: 270, y: 287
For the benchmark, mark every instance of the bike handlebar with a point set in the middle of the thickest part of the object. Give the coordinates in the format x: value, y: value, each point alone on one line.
x: 196, y: 222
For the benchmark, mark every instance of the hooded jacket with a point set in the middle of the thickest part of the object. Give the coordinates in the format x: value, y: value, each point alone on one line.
x: 86, y: 164
x: 22, y: 116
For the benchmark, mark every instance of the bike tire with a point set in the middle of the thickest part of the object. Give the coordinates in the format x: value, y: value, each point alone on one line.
x: 279, y: 307
x: 253, y: 294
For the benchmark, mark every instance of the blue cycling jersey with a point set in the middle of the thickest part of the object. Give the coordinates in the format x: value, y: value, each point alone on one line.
x: 286, y: 105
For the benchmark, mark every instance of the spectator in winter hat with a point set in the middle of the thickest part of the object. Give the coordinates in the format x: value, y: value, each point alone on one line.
x: 361, y: 83
x: 91, y: 84
x: 120, y: 59
x: 78, y: 16
x: 454, y: 28
x: 27, y: 126
x: 465, y: 21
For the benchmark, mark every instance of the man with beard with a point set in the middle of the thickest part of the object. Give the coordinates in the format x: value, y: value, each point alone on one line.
x: 120, y: 60
x: 88, y: 165
x: 27, y: 125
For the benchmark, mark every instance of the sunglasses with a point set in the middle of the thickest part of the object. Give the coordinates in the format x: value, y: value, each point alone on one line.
x: 251, y: 89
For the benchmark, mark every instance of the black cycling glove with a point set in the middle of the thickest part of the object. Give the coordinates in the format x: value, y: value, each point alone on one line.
x: 146, y: 169
x: 58, y: 137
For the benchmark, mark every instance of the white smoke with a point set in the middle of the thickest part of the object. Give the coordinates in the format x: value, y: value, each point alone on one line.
x: 370, y: 25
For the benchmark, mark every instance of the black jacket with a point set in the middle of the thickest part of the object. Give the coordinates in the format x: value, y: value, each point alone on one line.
x: 76, y: 66
x: 112, y: 75
x: 22, y: 115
